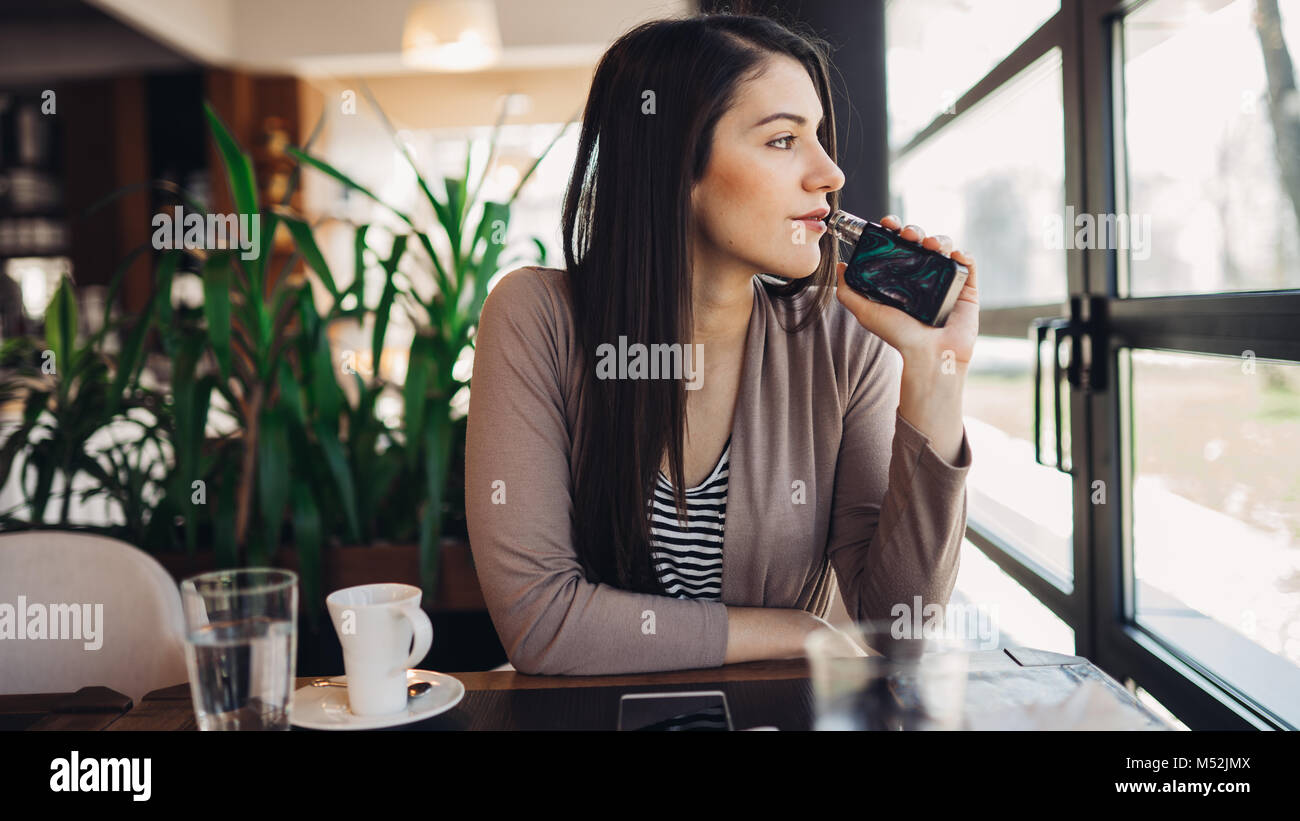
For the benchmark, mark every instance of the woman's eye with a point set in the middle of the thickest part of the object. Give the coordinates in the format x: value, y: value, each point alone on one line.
x: 789, y: 137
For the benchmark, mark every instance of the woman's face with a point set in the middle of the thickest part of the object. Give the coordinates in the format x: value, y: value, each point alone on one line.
x: 766, y: 169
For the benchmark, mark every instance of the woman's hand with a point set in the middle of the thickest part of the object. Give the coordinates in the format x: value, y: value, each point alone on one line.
x: 915, y: 340
x: 812, y: 623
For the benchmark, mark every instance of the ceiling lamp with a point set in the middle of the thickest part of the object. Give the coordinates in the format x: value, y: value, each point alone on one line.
x: 451, y: 35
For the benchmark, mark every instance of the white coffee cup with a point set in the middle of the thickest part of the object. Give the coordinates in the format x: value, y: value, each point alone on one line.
x: 376, y: 623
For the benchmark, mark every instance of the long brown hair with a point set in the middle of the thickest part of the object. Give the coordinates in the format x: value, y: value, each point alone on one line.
x: 626, y: 233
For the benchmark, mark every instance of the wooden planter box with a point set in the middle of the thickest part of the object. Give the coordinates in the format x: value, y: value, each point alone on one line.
x: 458, y: 587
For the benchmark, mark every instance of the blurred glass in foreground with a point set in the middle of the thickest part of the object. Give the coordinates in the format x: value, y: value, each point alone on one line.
x: 889, y: 675
x: 241, y: 649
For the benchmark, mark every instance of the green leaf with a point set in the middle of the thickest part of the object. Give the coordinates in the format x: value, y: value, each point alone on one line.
x: 311, y: 253
x: 272, y: 476
x: 323, y: 390
x: 455, y: 215
x: 262, y: 265
x: 265, y: 333
x: 61, y: 330
x: 419, y: 365
x: 17, y: 441
x: 258, y: 554
x: 321, y: 165
x: 42, y: 459
x: 358, y: 285
x: 291, y: 395
x: 437, y: 446
x: 216, y: 307
x: 307, y: 538
x: 189, y: 429
x: 115, y: 285
x: 239, y: 167
x: 129, y: 358
x: 198, y: 433
x: 385, y: 309
x: 163, y: 285
x: 440, y: 274
x: 338, y: 466
x: 483, y: 269
x: 223, y: 524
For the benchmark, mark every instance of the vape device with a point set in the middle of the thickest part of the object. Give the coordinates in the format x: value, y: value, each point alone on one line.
x: 887, y: 268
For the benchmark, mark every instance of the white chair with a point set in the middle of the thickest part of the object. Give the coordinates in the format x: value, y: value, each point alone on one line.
x: 134, y: 616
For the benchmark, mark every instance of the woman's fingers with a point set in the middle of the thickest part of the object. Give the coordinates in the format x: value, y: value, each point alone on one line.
x: 915, y: 233
x: 940, y: 243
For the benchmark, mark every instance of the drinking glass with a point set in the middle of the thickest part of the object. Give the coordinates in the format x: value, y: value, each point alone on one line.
x: 241, y: 647
x: 889, y: 675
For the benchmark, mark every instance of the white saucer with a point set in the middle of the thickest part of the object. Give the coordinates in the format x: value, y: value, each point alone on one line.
x: 326, y: 708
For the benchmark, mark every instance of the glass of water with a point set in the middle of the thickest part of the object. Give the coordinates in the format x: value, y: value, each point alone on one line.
x: 241, y: 647
x: 889, y: 675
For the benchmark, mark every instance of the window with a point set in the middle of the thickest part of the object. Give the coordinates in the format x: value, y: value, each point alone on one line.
x: 1166, y: 540
x: 1215, y: 502
x: 1206, y: 172
x: 972, y: 37
x: 997, y: 208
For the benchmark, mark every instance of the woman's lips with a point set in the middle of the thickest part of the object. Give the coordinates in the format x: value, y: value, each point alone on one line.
x: 813, y: 224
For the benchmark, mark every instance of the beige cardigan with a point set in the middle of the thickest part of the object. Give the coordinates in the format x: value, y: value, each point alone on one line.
x: 827, y: 481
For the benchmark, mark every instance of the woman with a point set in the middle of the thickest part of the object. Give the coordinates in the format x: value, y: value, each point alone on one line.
x: 627, y: 520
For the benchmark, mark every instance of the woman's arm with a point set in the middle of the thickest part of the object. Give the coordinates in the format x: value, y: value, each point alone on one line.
x: 930, y: 398
x: 896, y: 528
x: 759, y: 633
x: 518, y: 504
x: 898, y: 511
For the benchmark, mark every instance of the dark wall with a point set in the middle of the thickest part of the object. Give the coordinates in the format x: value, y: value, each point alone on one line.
x: 855, y: 30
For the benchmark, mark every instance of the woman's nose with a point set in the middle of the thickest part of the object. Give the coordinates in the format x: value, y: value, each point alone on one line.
x: 827, y: 175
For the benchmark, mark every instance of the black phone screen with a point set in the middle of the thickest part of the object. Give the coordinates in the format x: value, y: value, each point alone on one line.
x: 674, y: 712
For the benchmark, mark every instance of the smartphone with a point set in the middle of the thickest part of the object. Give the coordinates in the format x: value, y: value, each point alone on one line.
x: 698, y: 710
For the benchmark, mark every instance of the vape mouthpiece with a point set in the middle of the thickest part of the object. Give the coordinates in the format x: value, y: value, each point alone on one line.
x: 845, y: 226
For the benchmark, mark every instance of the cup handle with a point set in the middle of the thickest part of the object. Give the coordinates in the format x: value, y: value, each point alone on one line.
x: 422, y: 632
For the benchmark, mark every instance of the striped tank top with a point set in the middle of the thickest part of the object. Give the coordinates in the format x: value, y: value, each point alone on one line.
x: 688, y: 558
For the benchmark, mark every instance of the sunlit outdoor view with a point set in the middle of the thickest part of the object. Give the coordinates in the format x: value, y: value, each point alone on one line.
x: 1216, y: 512
x: 1212, y: 156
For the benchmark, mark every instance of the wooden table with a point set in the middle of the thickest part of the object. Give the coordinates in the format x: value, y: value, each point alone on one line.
x: 772, y: 693
x: 90, y: 708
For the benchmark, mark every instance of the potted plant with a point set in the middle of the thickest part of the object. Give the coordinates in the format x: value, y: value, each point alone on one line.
x: 304, y: 465
x: 445, y: 322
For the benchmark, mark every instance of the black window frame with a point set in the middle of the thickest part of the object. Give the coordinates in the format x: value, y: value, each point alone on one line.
x: 1097, y: 325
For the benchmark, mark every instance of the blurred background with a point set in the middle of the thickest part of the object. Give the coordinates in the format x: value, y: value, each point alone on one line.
x: 1126, y: 174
